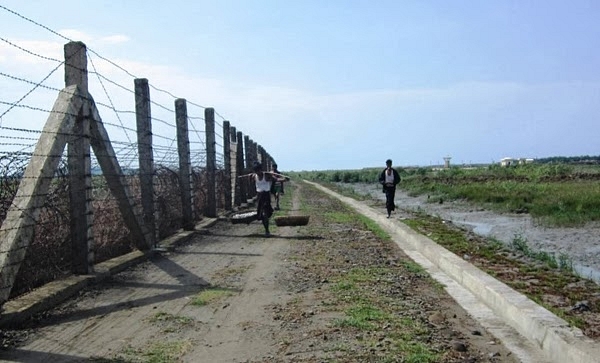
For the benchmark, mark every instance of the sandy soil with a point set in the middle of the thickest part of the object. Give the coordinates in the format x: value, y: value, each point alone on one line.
x: 581, y: 244
x: 273, y: 301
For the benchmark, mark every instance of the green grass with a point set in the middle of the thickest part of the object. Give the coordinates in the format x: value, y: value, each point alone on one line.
x: 346, y: 216
x: 554, y: 194
x: 166, y: 352
x: 344, y: 286
x: 339, y: 217
x: 417, y: 352
x: 362, y: 317
x: 285, y: 200
x: 210, y: 295
x: 158, y: 352
x: 374, y: 227
x: 365, y: 310
x: 166, y: 317
x: 563, y: 262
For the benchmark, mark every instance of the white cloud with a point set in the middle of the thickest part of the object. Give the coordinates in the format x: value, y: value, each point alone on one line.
x: 24, y: 53
x: 76, y: 35
x: 115, y: 39
x: 498, y: 118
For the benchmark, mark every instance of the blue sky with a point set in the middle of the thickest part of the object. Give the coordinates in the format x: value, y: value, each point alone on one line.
x: 348, y: 84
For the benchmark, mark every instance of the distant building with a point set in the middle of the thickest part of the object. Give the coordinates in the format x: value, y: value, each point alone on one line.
x: 447, y: 162
x: 523, y: 161
x: 507, y: 161
x: 512, y: 161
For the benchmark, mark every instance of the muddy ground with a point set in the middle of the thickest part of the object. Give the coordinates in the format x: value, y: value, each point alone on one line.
x: 580, y: 244
x: 232, y: 295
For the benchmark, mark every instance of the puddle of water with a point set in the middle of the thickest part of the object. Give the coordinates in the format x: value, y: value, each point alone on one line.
x: 587, y: 272
x: 482, y: 229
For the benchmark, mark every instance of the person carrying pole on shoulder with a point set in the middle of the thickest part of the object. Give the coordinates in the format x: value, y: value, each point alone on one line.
x: 263, y: 182
x: 278, y: 181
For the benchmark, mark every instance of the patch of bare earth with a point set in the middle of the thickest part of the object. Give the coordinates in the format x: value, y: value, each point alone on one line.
x: 311, y: 329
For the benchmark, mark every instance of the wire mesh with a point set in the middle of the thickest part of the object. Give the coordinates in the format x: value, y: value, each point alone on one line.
x: 26, y: 100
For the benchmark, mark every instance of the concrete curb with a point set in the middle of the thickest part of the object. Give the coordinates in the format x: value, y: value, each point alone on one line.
x: 552, y: 334
x: 20, y: 309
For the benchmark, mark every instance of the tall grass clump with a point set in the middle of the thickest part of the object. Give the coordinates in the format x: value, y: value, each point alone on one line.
x: 555, y: 195
x: 366, y: 175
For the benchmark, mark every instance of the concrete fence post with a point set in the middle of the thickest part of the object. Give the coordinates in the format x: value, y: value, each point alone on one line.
x: 259, y: 154
x: 255, y: 153
x: 76, y: 65
x: 234, y: 169
x: 79, y: 165
x: 185, y: 165
x: 227, y: 162
x: 239, y: 164
x: 146, y: 157
x: 250, y: 191
x: 247, y: 157
x: 263, y: 158
x: 211, y: 162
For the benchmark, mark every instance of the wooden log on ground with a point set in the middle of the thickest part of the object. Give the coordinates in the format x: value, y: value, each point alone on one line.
x: 291, y: 221
x: 243, y: 217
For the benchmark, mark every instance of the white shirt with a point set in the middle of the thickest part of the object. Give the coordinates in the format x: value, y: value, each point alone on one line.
x: 389, y: 178
x: 262, y: 185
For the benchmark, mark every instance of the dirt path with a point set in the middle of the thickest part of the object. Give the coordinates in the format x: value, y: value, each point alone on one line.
x: 146, y: 304
x: 232, y: 295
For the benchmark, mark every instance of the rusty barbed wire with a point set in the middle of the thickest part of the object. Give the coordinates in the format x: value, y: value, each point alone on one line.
x: 166, y: 123
x: 28, y: 51
x: 109, y: 98
x: 28, y: 93
x: 15, y: 78
x: 110, y: 233
x: 33, y: 22
x: 112, y: 108
x: 92, y: 51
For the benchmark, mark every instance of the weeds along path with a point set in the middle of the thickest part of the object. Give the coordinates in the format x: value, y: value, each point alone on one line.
x: 335, y: 290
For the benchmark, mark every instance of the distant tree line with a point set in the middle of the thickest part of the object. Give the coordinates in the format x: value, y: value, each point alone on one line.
x: 585, y: 159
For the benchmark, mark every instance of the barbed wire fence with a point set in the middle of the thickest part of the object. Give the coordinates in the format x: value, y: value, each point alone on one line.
x: 108, y: 169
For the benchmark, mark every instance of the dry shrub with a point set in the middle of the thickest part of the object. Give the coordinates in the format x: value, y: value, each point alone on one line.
x: 48, y: 256
x: 168, y: 202
x: 221, y: 188
x: 12, y: 167
x: 111, y: 235
x: 199, y: 193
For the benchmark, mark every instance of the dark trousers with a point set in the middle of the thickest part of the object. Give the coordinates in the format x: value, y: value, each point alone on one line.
x: 264, y: 210
x: 390, y: 194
